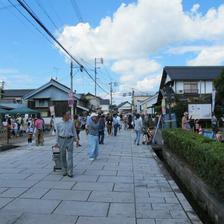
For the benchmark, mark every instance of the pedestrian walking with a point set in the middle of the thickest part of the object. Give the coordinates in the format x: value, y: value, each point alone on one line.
x: 138, y: 128
x: 109, y: 122
x: 115, y: 124
x: 77, y: 124
x: 125, y: 121
x: 39, y: 130
x: 101, y: 129
x: 29, y: 131
x: 93, y: 136
x: 52, y: 125
x: 66, y: 134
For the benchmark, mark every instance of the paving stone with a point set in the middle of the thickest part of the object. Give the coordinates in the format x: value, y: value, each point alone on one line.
x: 67, y: 195
x: 36, y: 176
x: 33, y: 205
x: 124, y: 187
x: 111, y: 196
x: 13, y: 192
x: 146, y: 221
x: 53, y: 177
x: 101, y: 172
x: 35, y: 193
x: 9, y: 176
x: 106, y: 183
x: 81, y: 178
x: 82, y: 208
x: 144, y: 211
x: 46, y: 219
x: 2, y: 189
x: 180, y: 214
x: 93, y: 186
x: 172, y: 221
x: 108, y: 220
x: 17, y: 183
x: 4, y: 201
x: 161, y: 206
x: 122, y: 209
x: 128, y: 180
x: 9, y: 217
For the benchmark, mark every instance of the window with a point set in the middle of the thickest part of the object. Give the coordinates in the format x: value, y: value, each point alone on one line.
x: 190, y: 87
x: 41, y: 103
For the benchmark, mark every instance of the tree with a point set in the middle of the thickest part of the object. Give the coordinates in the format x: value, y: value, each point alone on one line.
x: 219, y: 86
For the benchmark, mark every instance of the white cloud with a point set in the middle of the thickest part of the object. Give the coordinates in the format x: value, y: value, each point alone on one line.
x: 209, y: 56
x: 195, y: 8
x: 136, y: 30
x: 137, y: 73
x: 186, y: 49
x: 149, y: 83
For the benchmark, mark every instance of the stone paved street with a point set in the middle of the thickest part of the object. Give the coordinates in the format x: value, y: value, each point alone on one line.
x: 125, y: 185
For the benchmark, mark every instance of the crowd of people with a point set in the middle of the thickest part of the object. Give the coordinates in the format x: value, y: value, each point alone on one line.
x: 18, y: 126
x: 95, y: 125
x: 196, y: 125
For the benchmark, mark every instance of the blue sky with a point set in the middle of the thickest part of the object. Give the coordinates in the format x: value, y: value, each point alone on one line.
x: 136, y: 41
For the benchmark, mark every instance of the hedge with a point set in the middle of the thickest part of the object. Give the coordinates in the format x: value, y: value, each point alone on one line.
x: 205, y: 156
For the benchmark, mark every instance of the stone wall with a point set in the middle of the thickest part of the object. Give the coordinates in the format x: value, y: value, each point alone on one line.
x: 207, y: 199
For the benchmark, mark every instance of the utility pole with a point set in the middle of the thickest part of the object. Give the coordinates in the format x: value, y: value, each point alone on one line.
x: 1, y: 88
x: 111, y: 93
x: 71, y: 77
x: 97, y: 61
x: 71, y: 98
x: 132, y: 95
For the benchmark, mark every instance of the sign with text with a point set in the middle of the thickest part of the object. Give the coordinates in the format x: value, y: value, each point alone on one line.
x: 71, y: 99
x: 200, y: 111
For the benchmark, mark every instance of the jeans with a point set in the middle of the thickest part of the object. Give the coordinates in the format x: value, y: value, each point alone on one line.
x: 66, y: 145
x: 101, y: 137
x: 93, y: 146
x: 138, y: 135
x: 115, y: 129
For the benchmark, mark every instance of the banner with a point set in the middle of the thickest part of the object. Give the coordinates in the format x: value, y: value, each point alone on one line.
x: 213, y: 100
x: 52, y: 111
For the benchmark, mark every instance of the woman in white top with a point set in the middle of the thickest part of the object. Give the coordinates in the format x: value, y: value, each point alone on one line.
x: 138, y: 128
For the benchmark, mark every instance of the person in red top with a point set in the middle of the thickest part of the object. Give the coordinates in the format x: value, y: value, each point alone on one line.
x: 39, y: 130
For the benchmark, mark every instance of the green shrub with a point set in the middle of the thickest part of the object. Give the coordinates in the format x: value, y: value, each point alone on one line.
x: 205, y: 156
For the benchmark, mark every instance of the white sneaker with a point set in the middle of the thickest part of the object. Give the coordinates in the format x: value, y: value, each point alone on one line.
x: 91, y: 159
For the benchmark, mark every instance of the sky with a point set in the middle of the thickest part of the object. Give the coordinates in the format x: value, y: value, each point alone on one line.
x: 136, y: 39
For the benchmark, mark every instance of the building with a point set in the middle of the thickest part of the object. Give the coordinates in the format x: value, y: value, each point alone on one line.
x: 94, y: 101
x: 147, y: 106
x: 124, y: 107
x: 105, y: 105
x: 190, y: 84
x: 14, y: 95
x: 53, y: 95
x: 138, y: 99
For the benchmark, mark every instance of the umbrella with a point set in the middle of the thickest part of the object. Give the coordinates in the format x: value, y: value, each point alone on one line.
x: 23, y: 110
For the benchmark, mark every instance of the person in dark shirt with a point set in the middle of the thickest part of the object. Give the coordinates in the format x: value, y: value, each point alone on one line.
x: 101, y: 129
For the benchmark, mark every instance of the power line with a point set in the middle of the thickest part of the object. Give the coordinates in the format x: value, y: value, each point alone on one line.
x: 27, y: 8
x: 55, y: 12
x: 77, y: 11
x: 6, y: 7
x: 46, y: 14
x: 13, y: 5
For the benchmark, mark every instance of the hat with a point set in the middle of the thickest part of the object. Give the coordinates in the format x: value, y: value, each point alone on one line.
x: 94, y: 115
x: 185, y: 113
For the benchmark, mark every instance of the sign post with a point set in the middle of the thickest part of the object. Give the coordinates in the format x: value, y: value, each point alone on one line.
x: 71, y: 103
